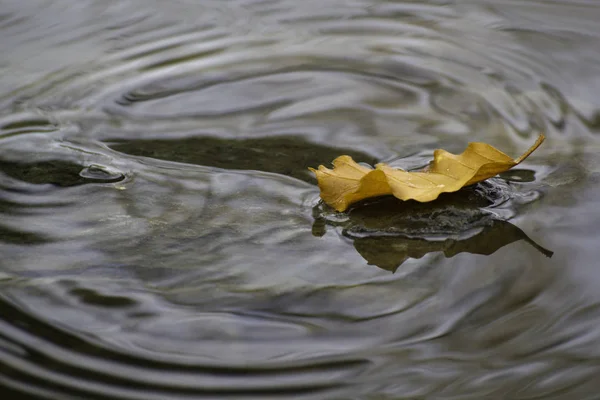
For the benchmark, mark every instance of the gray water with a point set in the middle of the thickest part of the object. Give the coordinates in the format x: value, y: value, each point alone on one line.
x: 162, y: 238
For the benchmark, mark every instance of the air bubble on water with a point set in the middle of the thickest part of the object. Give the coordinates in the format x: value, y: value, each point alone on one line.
x: 101, y: 173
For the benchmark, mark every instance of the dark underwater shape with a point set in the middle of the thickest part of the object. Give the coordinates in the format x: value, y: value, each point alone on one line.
x: 8, y: 235
x: 287, y: 155
x: 386, y: 232
x: 59, y: 173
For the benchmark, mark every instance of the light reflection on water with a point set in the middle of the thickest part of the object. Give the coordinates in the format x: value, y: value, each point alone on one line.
x: 161, y: 236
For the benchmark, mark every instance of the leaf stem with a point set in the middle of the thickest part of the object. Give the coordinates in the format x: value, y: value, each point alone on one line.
x: 537, y: 144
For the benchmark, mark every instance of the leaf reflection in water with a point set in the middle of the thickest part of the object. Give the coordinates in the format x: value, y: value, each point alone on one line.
x: 387, y: 232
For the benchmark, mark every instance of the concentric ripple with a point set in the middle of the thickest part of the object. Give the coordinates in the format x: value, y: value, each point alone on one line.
x: 162, y: 237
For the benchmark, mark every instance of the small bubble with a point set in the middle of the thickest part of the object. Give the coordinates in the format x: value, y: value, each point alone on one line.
x: 101, y: 173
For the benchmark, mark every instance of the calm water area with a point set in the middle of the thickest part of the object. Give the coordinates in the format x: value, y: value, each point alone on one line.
x: 161, y: 236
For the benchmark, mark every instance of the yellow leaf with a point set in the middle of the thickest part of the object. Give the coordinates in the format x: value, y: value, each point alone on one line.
x: 349, y: 182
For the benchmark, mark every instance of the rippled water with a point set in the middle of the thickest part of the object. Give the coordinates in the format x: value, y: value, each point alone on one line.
x: 162, y: 238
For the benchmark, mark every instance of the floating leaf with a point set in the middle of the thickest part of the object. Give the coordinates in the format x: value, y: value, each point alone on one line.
x: 349, y: 182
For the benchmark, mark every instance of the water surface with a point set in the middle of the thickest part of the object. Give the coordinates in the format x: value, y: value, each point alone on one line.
x: 162, y: 237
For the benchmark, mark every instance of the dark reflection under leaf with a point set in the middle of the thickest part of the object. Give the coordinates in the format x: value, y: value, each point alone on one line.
x: 391, y: 251
x: 287, y: 155
x: 518, y: 175
x: 386, y: 231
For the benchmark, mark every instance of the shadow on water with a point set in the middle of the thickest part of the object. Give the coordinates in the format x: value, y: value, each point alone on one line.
x: 386, y: 232
x: 289, y: 156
